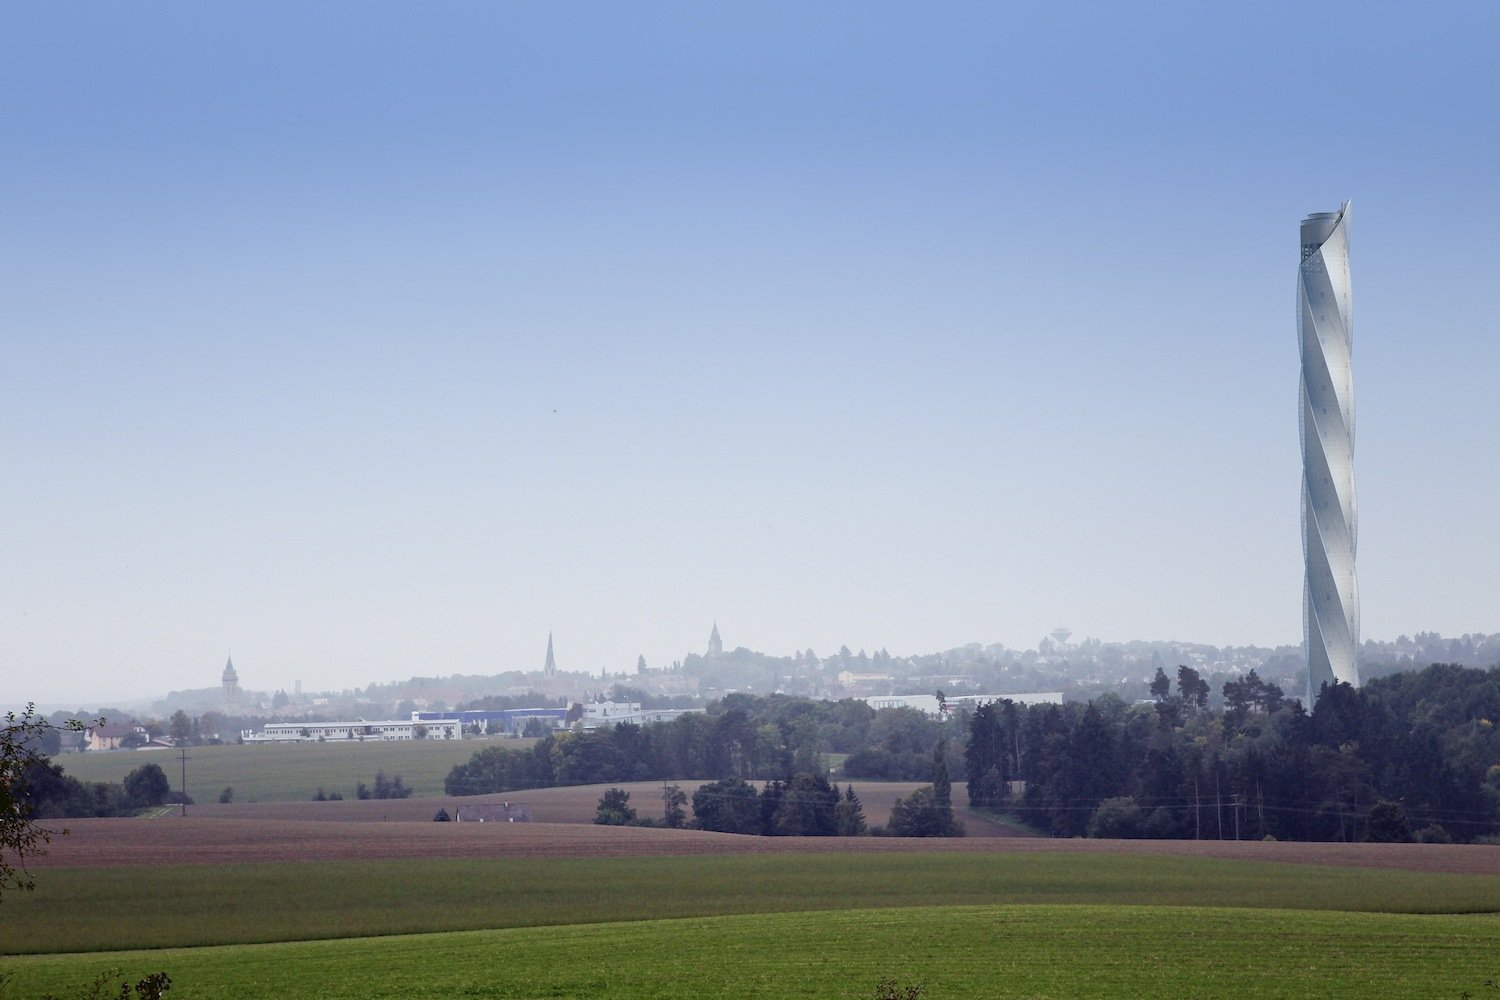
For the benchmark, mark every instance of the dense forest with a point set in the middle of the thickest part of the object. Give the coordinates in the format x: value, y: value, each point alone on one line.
x: 1411, y: 755
x: 1407, y: 756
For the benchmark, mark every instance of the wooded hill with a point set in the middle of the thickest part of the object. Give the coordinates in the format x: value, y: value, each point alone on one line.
x: 1408, y: 755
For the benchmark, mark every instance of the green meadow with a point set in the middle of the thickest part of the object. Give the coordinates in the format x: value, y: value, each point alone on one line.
x: 1037, y: 951
x: 294, y: 771
x: 176, y: 905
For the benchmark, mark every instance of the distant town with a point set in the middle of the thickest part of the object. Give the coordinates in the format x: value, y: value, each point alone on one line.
x: 552, y: 696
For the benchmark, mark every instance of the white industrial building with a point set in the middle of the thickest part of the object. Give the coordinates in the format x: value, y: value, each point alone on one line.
x: 929, y: 705
x: 330, y: 732
x: 599, y: 714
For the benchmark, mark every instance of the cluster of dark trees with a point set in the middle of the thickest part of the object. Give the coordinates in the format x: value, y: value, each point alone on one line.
x: 1413, y: 754
x: 48, y: 793
x: 806, y: 805
x: 1409, y: 756
x: 928, y: 812
x: 385, y: 788
x: 742, y: 736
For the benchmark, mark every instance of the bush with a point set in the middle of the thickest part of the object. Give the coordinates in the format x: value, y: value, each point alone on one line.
x: 389, y: 788
x: 1432, y: 833
x: 1388, y: 824
x: 150, y: 988
x: 728, y: 806
x: 226, y: 796
x: 1162, y: 824
x: 807, y: 808
x: 147, y: 786
x: 1117, y: 819
x: 614, y: 809
x: 442, y: 817
x: 920, y: 815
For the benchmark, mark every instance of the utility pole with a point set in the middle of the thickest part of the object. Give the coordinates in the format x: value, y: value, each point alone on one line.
x: 1218, y: 802
x: 183, y: 751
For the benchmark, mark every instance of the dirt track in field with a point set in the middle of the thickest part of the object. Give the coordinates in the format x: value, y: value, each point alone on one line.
x: 198, y: 840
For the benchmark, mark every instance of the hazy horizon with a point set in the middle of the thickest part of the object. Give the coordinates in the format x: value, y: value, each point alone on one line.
x: 310, y: 685
x: 370, y: 342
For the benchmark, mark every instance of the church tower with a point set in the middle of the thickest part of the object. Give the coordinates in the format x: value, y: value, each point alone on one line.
x: 551, y: 667
x: 715, y: 644
x: 231, y: 682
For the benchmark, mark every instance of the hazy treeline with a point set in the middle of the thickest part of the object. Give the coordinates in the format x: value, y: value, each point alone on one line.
x: 802, y: 805
x: 742, y: 736
x: 1411, y: 755
x: 805, y: 805
x: 46, y: 792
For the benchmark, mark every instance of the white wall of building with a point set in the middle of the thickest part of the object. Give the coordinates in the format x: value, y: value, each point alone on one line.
x: 330, y: 732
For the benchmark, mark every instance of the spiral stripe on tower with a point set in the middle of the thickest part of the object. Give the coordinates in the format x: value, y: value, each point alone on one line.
x: 1330, y: 594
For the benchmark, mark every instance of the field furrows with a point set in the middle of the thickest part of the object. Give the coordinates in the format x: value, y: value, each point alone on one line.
x: 114, y: 842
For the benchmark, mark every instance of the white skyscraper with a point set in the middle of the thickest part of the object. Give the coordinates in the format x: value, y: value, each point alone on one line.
x: 1330, y: 595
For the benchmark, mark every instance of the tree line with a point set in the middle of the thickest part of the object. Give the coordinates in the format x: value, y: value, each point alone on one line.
x: 45, y: 792
x: 1409, y: 756
x: 1412, y: 755
x: 804, y: 805
x: 742, y: 736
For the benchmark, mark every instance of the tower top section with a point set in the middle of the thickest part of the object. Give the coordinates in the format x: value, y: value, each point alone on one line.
x: 715, y: 644
x: 229, y: 676
x: 1318, y: 227
x: 551, y: 665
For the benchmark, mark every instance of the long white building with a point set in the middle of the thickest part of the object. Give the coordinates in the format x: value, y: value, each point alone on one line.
x: 1330, y: 594
x: 929, y: 705
x: 353, y: 732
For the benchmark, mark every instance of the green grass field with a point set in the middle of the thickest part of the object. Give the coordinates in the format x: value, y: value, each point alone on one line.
x: 1040, y: 951
x: 289, y: 772
x: 178, y: 905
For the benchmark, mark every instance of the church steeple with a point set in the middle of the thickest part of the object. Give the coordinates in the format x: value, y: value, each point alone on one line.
x: 231, y: 682
x: 715, y: 644
x: 551, y: 667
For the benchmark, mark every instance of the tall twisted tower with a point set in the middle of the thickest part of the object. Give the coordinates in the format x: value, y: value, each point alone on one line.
x: 1330, y: 595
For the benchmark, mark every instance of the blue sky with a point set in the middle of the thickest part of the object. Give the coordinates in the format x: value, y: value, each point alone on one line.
x: 368, y: 340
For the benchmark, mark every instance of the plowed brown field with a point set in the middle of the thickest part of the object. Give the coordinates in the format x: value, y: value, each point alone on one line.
x: 108, y: 843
